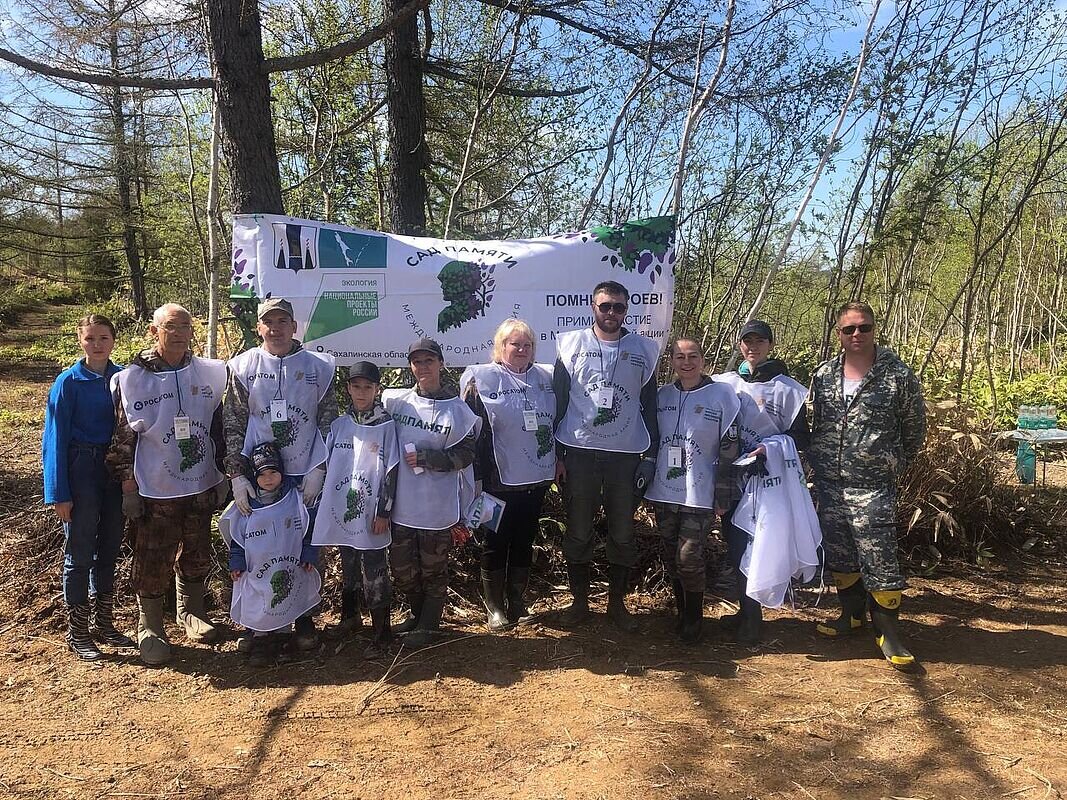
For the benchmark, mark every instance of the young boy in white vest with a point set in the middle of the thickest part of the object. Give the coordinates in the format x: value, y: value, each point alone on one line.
x: 272, y: 560
x: 357, y: 499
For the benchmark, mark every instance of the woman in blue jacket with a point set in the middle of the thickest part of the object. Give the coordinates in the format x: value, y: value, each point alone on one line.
x: 78, y: 425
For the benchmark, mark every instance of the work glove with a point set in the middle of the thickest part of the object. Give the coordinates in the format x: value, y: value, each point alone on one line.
x: 757, y: 468
x: 132, y: 504
x: 242, y: 491
x: 311, y: 486
x: 646, y: 471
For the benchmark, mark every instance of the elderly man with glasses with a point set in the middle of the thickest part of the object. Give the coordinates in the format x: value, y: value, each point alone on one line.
x: 608, y: 434
x: 868, y: 424
x: 167, y: 451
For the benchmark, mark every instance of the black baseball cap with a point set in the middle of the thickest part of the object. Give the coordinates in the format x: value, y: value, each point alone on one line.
x: 428, y: 345
x: 364, y: 369
x: 265, y: 456
x: 758, y: 327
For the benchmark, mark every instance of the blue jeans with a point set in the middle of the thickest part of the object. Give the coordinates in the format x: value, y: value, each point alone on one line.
x: 94, y: 533
x: 598, y: 478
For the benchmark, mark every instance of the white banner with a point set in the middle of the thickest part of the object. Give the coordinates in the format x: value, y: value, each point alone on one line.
x: 362, y: 295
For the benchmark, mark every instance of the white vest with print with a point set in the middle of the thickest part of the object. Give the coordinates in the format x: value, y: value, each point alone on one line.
x: 629, y: 364
x: 696, y: 421
x: 522, y: 457
x: 432, y: 500
x: 360, y: 457
x: 275, y: 590
x: 164, y: 466
x: 302, y: 380
x: 779, y: 399
x: 784, y: 534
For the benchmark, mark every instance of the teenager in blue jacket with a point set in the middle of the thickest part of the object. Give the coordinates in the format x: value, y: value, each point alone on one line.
x: 79, y: 421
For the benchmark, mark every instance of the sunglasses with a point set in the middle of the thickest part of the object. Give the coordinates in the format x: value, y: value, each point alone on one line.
x: 607, y: 308
x: 848, y: 330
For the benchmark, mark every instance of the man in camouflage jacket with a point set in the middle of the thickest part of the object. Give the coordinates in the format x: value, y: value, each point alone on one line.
x: 868, y: 424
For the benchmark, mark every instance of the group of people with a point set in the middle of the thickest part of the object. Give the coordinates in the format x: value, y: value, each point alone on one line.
x: 391, y: 481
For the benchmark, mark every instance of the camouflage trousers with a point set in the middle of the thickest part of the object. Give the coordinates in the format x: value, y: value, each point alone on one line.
x: 419, y: 558
x: 859, y: 533
x: 683, y: 537
x: 173, y: 536
x: 373, y: 567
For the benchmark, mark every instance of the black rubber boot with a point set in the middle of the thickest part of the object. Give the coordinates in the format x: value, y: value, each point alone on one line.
x: 693, y: 617
x: 885, y: 613
x: 618, y: 577
x: 383, y: 634
x: 429, y: 623
x: 853, y: 608
x: 750, y: 626
x: 518, y: 579
x: 679, y: 605
x: 412, y: 622
x: 305, y: 637
x: 731, y: 623
x: 102, y: 622
x: 78, y: 638
x: 578, y: 578
x: 261, y: 652
x: 351, y: 618
x: 493, y: 597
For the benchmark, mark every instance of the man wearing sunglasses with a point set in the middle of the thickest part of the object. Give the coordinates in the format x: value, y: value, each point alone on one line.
x: 607, y: 433
x: 868, y: 423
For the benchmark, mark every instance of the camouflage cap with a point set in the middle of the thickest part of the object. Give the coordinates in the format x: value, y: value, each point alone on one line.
x: 272, y: 303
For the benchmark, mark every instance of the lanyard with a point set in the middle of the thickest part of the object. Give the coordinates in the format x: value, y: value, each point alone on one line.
x: 278, y: 391
x: 178, y: 390
x: 615, y: 363
x: 522, y: 386
x: 681, y: 404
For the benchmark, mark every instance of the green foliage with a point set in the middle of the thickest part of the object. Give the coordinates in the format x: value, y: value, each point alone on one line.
x: 956, y: 498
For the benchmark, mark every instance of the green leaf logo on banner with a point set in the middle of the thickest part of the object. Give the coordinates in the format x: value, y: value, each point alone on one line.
x: 468, y: 289
x: 338, y: 311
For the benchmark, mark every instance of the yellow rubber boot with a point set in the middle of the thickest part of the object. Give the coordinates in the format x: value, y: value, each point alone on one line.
x: 885, y: 611
x: 853, y: 601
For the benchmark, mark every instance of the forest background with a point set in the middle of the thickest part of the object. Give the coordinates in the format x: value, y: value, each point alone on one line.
x: 911, y: 155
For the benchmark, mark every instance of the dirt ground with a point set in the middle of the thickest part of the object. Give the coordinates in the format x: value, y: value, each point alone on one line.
x: 542, y: 711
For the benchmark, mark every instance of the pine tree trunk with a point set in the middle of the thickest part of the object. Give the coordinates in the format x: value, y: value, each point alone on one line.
x: 407, y: 124
x: 244, y: 106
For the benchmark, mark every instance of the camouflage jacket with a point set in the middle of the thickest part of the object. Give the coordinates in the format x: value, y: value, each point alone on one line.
x: 235, y: 419
x: 869, y: 442
x: 119, y: 458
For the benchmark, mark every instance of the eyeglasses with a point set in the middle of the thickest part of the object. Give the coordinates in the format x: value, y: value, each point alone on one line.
x: 848, y: 330
x: 172, y: 327
x: 607, y: 308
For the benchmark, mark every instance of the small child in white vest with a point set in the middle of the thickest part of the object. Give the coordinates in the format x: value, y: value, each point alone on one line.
x: 272, y: 560
x: 357, y: 500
